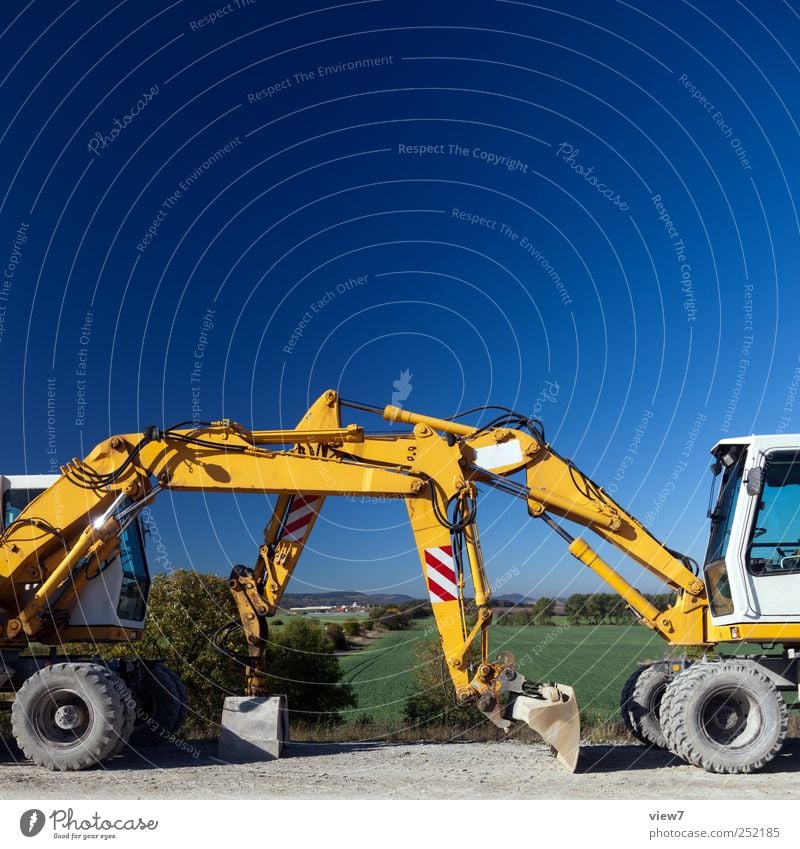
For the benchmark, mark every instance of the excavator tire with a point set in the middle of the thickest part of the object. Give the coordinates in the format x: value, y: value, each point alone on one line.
x: 161, y: 706
x: 70, y: 716
x: 129, y: 709
x: 724, y: 716
x: 640, y: 703
x: 182, y: 696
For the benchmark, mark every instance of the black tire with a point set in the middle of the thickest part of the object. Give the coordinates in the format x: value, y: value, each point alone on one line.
x: 183, y: 703
x: 640, y: 703
x: 160, y: 706
x: 129, y: 710
x: 70, y: 716
x: 724, y: 716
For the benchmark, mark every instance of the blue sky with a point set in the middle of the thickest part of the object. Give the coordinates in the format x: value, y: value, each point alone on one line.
x: 585, y: 211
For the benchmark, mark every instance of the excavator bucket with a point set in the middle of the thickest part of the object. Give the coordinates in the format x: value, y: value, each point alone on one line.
x: 553, y: 714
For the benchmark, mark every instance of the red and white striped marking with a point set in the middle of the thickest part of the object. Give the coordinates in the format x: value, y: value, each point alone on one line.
x: 441, y: 574
x: 301, y: 513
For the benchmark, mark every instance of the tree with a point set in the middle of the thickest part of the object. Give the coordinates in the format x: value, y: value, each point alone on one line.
x: 541, y: 612
x: 352, y: 628
x: 185, y: 610
x: 601, y: 608
x: 335, y: 633
x: 392, y: 618
x: 620, y: 613
x: 433, y: 700
x: 661, y: 600
x: 302, y: 666
x: 574, y: 608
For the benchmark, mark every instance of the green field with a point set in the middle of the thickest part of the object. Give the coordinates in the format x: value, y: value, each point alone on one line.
x: 595, y: 660
x: 382, y: 675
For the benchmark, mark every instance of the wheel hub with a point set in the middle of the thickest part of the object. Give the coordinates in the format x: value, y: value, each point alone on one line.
x: 61, y: 717
x: 726, y: 716
x: 67, y: 717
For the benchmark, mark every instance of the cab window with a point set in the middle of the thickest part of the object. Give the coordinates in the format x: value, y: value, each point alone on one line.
x: 135, y: 577
x: 15, y: 501
x: 722, y: 514
x: 775, y: 536
x: 732, y: 459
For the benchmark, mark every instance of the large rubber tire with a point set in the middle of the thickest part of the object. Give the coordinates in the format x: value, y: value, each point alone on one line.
x: 724, y: 716
x: 183, y: 702
x: 129, y: 709
x: 640, y: 703
x: 70, y: 716
x: 161, y: 701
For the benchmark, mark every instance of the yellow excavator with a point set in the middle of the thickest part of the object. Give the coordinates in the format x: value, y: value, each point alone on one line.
x: 73, y: 568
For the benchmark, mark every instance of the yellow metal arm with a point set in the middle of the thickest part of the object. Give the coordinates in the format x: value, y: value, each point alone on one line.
x: 52, y: 542
x: 555, y: 486
x: 55, y: 540
x: 66, y: 533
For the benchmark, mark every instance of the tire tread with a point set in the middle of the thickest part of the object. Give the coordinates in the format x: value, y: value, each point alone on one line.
x: 92, y: 677
x: 674, y: 709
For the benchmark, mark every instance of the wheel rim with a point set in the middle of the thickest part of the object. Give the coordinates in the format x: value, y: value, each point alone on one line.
x: 731, y: 718
x: 655, y: 701
x: 62, y: 718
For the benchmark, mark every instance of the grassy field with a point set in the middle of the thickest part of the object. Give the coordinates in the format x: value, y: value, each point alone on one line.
x: 595, y: 660
x: 382, y: 674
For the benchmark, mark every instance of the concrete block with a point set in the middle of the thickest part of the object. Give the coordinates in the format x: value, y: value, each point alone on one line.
x: 253, y: 729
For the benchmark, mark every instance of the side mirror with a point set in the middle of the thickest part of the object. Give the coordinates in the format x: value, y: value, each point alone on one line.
x: 754, y: 481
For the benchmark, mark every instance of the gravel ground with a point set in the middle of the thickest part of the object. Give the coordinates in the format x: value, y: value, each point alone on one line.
x: 508, y: 770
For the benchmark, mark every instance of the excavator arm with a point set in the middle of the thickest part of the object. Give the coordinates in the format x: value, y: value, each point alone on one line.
x: 554, y: 486
x: 64, y: 536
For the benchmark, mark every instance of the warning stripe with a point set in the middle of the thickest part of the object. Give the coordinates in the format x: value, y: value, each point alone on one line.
x: 441, y: 574
x: 301, y: 512
x: 299, y: 518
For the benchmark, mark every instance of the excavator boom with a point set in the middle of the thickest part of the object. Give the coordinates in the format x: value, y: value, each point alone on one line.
x: 46, y: 565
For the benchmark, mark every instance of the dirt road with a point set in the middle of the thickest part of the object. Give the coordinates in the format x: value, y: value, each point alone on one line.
x: 508, y: 770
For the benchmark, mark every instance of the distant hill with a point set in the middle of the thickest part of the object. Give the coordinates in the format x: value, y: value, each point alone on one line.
x: 337, y: 599
x: 518, y: 598
x: 347, y: 597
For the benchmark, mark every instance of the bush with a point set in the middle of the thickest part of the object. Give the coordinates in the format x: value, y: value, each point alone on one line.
x: 335, y: 633
x: 433, y: 701
x: 392, y: 618
x: 352, y: 628
x: 302, y: 666
x: 185, y: 610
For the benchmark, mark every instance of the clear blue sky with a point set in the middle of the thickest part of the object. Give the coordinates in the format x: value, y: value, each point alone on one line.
x: 595, y: 199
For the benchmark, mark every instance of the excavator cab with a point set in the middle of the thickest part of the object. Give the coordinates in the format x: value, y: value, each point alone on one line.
x: 752, y: 563
x: 116, y: 597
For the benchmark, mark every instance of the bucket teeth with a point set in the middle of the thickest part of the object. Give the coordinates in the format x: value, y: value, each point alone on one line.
x: 551, y: 710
